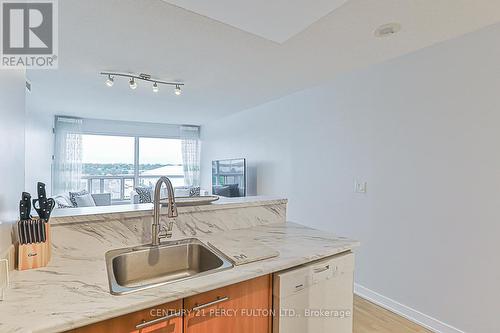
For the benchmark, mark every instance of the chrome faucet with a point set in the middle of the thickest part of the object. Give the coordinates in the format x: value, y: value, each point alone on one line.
x: 157, y: 233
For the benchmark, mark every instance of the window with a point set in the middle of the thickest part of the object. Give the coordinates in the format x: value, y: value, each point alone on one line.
x: 160, y: 157
x: 118, y: 164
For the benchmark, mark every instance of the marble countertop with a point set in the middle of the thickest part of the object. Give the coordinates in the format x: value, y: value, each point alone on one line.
x: 84, y: 214
x: 73, y: 290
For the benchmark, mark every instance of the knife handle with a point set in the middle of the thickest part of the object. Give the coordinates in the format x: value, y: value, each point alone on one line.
x: 26, y: 197
x: 23, y: 211
x: 42, y: 194
x: 40, y: 208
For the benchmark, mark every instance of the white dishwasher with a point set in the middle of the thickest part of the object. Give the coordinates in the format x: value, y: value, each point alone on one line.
x: 315, y: 298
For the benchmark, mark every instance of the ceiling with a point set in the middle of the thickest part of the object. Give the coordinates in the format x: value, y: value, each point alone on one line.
x: 227, y: 69
x: 276, y: 20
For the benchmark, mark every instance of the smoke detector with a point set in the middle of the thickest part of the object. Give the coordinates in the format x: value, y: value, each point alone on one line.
x: 388, y: 29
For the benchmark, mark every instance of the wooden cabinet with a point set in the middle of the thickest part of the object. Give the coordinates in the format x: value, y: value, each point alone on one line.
x: 166, y: 318
x: 241, y: 308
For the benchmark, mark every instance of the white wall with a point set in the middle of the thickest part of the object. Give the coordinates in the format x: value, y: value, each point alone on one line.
x: 424, y: 132
x: 39, y: 148
x: 12, y: 115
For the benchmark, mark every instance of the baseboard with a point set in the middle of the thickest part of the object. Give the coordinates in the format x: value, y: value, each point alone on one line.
x: 415, y: 316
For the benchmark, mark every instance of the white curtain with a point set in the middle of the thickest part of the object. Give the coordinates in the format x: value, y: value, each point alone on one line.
x: 67, y: 175
x: 191, y: 147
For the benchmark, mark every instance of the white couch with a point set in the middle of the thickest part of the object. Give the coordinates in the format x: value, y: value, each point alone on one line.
x: 100, y: 199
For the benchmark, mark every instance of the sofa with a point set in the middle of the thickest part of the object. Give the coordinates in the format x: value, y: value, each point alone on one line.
x: 178, y: 192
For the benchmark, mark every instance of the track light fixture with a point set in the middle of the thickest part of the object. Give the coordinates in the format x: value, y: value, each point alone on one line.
x: 143, y: 77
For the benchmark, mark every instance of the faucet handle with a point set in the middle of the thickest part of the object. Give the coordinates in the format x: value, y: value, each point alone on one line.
x: 166, y: 232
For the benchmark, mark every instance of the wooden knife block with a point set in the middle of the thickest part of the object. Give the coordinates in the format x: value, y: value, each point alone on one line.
x: 34, y: 255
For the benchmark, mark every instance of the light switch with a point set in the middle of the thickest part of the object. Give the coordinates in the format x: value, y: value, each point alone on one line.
x: 359, y: 187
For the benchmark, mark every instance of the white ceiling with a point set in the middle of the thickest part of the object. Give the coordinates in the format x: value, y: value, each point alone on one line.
x: 225, y: 69
x: 276, y: 20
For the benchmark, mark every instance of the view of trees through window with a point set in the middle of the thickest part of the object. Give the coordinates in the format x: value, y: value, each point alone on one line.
x: 109, y: 163
x: 114, y: 169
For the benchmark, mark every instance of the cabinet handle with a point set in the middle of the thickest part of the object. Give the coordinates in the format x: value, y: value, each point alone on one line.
x: 206, y: 305
x: 320, y: 270
x: 158, y: 320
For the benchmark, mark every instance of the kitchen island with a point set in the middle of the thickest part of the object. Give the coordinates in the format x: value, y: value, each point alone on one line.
x: 73, y: 290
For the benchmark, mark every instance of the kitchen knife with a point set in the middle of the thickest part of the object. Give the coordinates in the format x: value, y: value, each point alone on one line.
x: 25, y: 206
x: 39, y: 203
x: 40, y: 187
x: 34, y: 235
x: 25, y: 231
x: 42, y: 231
x: 20, y: 232
x: 24, y: 216
x: 22, y: 211
x: 39, y: 231
x: 29, y: 225
x: 33, y: 231
x: 37, y: 206
x: 45, y: 205
x: 27, y: 200
x: 42, y: 200
x: 51, y: 204
x: 36, y: 229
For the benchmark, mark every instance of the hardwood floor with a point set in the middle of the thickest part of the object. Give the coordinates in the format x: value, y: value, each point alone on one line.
x: 371, y: 318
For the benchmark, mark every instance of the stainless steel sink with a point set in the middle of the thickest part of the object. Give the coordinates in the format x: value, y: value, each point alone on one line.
x: 142, y: 267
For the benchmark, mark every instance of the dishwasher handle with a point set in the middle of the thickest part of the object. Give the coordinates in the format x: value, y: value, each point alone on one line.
x: 323, y: 273
x: 321, y: 269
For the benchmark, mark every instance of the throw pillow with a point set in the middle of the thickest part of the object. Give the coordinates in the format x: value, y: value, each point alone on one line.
x: 61, y: 202
x: 102, y: 199
x: 194, y: 191
x: 72, y: 196
x: 144, y: 194
x: 85, y: 200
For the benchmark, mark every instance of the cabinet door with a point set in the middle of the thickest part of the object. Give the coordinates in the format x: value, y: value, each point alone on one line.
x: 240, y: 308
x: 165, y: 318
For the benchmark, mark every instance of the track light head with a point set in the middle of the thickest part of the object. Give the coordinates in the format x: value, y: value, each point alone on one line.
x: 132, y: 83
x: 110, y: 81
x: 178, y: 90
x: 155, y: 87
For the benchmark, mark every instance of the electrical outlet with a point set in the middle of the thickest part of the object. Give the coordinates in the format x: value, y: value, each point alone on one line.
x: 359, y: 187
